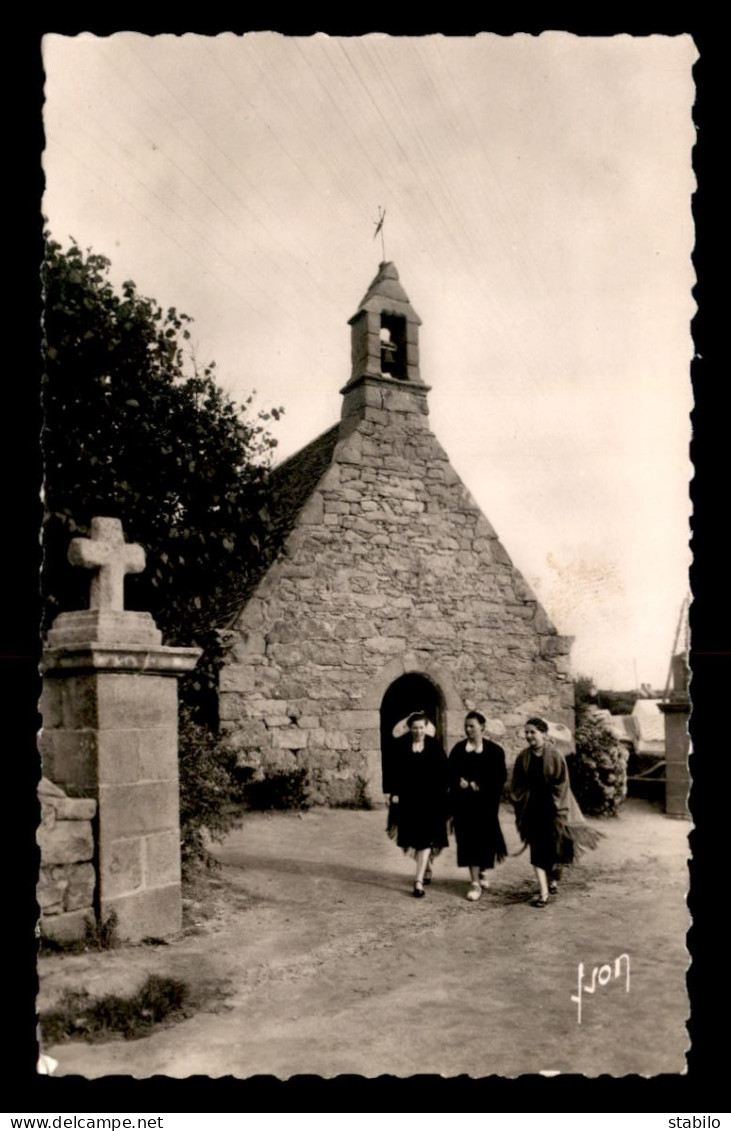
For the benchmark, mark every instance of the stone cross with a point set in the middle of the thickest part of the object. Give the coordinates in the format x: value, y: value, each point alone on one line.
x: 107, y: 553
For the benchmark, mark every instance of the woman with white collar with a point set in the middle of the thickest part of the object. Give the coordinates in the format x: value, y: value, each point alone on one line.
x: 418, y: 782
x: 477, y: 776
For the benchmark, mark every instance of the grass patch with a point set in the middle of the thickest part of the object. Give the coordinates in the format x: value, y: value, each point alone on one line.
x: 48, y: 945
x: 97, y: 1019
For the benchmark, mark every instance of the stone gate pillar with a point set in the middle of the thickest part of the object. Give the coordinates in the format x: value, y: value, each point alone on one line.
x: 110, y: 731
x: 676, y: 709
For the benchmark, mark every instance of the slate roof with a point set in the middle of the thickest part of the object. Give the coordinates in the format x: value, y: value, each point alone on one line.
x: 292, y: 482
x: 290, y: 486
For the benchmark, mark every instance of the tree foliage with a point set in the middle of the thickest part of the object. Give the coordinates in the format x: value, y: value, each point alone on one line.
x: 134, y: 429
x: 584, y: 691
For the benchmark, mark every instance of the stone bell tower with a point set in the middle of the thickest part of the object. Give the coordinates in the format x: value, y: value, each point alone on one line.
x: 384, y: 351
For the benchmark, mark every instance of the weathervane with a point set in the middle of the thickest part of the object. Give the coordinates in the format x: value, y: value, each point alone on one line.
x: 379, y: 228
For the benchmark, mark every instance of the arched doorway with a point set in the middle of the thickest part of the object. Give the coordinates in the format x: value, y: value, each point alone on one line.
x: 410, y: 692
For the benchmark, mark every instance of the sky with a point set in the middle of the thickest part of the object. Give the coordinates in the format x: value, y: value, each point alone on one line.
x: 537, y: 192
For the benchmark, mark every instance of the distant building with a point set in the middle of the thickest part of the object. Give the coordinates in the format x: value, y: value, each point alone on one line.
x: 617, y: 702
x: 646, y: 767
x: 649, y: 727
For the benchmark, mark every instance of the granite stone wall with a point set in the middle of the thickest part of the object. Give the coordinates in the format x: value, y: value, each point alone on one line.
x: 67, y: 878
x: 111, y: 736
x: 390, y: 567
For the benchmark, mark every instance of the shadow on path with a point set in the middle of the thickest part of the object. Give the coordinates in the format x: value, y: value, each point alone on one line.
x: 318, y: 869
x: 456, y: 886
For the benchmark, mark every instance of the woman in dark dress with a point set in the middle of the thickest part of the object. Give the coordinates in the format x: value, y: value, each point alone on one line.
x: 547, y: 814
x: 418, y: 782
x: 477, y: 776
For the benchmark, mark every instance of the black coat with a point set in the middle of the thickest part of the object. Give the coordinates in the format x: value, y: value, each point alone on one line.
x: 546, y: 812
x: 540, y: 791
x: 475, y: 810
x: 421, y: 783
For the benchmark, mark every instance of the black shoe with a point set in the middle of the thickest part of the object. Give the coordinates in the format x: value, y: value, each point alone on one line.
x: 419, y: 892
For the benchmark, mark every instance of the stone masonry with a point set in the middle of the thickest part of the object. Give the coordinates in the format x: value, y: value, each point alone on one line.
x: 67, y: 878
x: 676, y: 709
x: 387, y: 569
x: 110, y: 734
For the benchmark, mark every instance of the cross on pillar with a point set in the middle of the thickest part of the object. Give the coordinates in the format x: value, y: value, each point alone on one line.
x: 107, y: 553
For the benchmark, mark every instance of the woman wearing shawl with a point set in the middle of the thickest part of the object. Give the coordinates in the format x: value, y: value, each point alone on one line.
x: 547, y: 814
x: 477, y: 777
x: 417, y: 780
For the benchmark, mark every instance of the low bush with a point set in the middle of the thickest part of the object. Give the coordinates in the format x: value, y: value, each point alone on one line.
x: 208, y: 789
x: 598, y: 768
x: 280, y: 789
x: 102, y: 934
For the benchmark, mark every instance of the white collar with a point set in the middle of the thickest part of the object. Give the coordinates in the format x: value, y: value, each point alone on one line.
x: 472, y: 749
x: 417, y: 747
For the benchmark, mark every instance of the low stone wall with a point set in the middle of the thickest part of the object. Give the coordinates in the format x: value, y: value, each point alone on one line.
x: 67, y: 877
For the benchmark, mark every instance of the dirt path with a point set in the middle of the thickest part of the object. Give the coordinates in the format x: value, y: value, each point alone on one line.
x: 329, y: 965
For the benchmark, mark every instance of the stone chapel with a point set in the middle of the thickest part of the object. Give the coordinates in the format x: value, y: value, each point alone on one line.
x: 390, y: 591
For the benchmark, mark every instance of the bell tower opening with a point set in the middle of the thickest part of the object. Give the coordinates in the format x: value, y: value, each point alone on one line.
x: 393, y: 345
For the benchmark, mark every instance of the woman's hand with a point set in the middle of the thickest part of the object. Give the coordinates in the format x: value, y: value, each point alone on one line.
x: 394, y: 799
x: 474, y: 786
x: 463, y: 783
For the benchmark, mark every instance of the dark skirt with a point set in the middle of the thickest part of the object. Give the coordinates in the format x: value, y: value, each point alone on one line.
x: 475, y: 808
x: 551, y: 844
x: 480, y: 840
x: 415, y: 827
x: 420, y: 780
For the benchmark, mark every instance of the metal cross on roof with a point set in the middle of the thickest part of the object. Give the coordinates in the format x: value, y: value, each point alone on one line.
x: 379, y: 228
x: 111, y: 557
